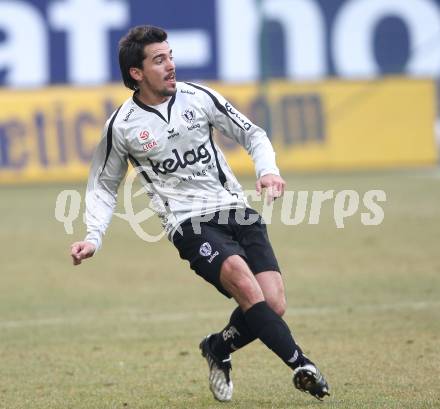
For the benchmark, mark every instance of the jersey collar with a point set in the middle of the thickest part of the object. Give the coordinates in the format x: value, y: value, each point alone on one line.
x: 145, y: 107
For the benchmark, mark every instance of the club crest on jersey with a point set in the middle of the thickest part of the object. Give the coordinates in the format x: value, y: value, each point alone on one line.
x: 189, y: 116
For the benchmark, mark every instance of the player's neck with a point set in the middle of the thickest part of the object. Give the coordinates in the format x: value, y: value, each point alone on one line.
x: 149, y: 98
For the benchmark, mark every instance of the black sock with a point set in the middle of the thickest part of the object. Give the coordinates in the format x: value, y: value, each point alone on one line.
x: 274, y: 333
x: 234, y: 336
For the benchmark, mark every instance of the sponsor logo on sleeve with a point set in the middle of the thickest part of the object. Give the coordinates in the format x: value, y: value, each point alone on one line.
x: 128, y: 114
x: 233, y: 114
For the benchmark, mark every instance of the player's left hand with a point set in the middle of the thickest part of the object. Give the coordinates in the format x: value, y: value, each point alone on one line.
x: 273, y: 184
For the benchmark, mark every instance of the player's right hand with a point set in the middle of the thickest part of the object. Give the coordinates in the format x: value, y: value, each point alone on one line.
x: 81, y: 250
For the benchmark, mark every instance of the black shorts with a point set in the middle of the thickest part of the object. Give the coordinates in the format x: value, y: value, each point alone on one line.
x: 206, y: 242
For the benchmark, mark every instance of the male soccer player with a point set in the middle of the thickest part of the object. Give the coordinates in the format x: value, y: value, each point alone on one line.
x: 165, y: 131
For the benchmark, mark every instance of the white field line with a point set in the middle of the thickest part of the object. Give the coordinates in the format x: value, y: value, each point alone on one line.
x: 142, y: 316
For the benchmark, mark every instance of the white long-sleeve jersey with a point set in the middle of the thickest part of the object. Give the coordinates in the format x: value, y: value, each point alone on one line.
x: 172, y: 148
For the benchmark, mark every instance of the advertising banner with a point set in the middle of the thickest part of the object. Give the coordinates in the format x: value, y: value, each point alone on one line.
x: 76, y: 41
x: 50, y: 134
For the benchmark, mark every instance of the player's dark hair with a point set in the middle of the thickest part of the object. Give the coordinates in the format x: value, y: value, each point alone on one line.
x: 131, y: 50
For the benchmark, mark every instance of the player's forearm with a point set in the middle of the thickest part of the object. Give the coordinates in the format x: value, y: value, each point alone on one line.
x: 260, y: 148
x: 94, y: 237
x: 100, y: 205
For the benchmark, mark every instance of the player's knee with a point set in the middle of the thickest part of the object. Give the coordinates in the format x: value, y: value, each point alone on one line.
x: 239, y: 281
x: 247, y: 289
x: 232, y: 265
x: 279, y: 305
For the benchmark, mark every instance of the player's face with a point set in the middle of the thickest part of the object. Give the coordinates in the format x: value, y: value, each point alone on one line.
x: 159, y: 71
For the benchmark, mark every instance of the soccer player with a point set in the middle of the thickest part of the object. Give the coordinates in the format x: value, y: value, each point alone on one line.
x: 166, y: 131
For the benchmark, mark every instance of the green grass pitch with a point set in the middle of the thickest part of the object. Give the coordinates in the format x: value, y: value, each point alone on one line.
x: 122, y: 329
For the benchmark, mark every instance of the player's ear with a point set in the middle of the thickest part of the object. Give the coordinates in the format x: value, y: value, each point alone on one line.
x: 136, y: 73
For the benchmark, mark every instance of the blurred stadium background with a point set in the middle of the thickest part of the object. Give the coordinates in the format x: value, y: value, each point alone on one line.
x: 348, y: 92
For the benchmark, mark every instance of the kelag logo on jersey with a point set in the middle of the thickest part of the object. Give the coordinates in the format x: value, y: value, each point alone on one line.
x: 170, y: 165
